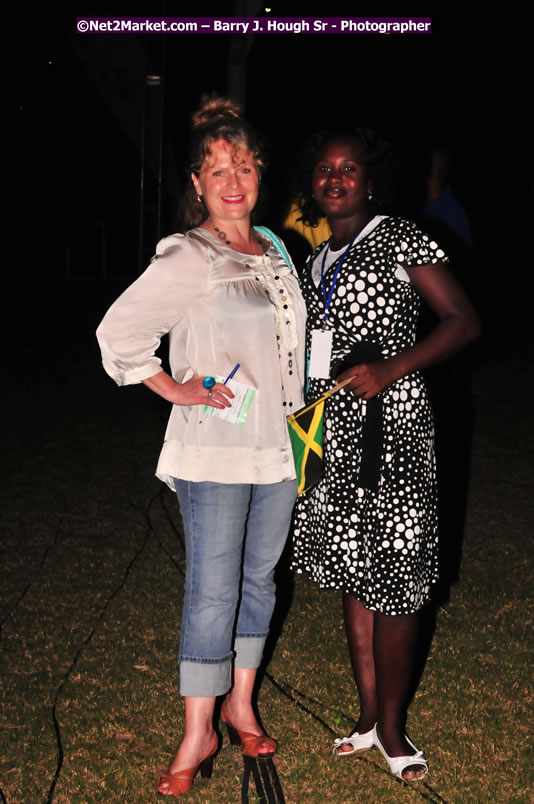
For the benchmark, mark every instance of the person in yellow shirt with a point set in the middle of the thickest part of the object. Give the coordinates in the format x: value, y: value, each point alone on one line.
x: 315, y: 235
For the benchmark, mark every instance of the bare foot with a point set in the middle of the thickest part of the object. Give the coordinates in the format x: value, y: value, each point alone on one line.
x: 193, y: 750
x: 241, y: 716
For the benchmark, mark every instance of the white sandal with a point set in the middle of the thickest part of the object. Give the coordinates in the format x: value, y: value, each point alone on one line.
x: 360, y: 743
x: 398, y: 764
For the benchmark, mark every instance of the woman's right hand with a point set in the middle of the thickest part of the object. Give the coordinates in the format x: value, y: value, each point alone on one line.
x: 188, y: 393
x: 193, y: 392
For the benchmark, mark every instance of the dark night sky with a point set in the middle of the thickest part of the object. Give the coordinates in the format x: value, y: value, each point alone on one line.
x: 454, y: 86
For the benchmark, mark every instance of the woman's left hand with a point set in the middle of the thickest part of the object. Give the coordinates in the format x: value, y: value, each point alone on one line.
x: 369, y: 378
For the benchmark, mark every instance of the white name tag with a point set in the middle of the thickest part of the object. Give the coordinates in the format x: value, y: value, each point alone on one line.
x: 238, y: 411
x: 321, y: 352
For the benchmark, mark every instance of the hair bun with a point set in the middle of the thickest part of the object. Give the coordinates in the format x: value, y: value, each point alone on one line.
x: 212, y: 108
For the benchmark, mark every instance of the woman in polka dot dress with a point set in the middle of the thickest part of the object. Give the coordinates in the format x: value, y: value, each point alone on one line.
x: 369, y: 527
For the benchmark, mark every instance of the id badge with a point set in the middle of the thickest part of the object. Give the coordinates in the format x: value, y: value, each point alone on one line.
x: 321, y: 352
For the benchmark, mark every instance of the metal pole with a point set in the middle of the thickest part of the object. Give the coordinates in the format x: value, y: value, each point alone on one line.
x: 142, y: 185
x: 103, y: 248
x: 160, y: 155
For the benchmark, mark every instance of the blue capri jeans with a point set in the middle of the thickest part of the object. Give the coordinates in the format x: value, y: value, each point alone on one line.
x: 234, y: 535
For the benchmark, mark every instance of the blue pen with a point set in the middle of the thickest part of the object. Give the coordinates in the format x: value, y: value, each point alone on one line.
x: 231, y: 373
x: 226, y: 380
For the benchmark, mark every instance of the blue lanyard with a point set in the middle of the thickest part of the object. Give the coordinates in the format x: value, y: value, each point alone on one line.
x: 328, y: 299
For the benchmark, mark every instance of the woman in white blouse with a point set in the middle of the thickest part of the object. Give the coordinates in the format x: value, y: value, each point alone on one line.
x: 231, y: 305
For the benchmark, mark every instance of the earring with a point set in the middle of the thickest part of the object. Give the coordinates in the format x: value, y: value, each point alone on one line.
x: 199, y: 199
x: 370, y: 197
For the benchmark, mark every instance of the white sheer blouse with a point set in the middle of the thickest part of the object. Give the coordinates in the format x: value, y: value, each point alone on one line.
x: 220, y: 308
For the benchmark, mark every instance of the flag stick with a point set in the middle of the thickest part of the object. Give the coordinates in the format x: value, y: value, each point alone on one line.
x: 324, y: 396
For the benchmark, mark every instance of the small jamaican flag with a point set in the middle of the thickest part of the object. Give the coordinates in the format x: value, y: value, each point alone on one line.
x: 306, y: 434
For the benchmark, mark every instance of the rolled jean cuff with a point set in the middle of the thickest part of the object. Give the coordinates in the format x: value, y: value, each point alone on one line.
x: 205, y: 679
x: 249, y: 651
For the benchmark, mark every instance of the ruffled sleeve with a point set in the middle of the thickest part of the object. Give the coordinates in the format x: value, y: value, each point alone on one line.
x: 131, y: 331
x: 414, y: 247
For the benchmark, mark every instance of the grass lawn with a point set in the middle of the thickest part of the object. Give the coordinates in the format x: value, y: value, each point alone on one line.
x: 89, y: 611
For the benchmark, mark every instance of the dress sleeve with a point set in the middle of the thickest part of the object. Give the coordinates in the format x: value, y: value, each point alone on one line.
x: 131, y: 331
x: 414, y: 247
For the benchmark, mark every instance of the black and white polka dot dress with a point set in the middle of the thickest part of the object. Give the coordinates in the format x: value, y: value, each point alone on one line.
x: 379, y: 545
